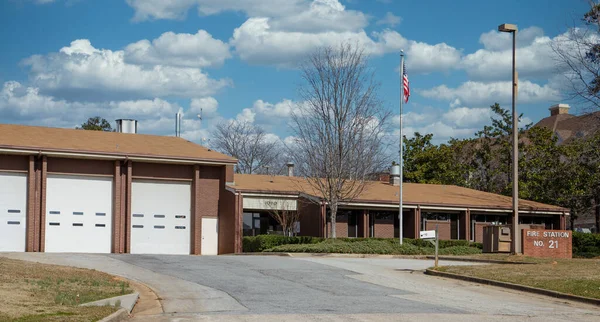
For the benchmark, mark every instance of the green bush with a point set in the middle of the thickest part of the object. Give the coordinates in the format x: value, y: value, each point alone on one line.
x: 262, y: 242
x: 586, y: 245
x: 371, y: 246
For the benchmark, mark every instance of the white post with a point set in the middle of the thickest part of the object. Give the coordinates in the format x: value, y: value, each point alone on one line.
x: 437, y: 243
x: 400, y: 214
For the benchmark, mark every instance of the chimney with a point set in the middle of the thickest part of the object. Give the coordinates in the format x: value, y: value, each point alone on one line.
x: 559, y: 109
x: 178, y: 119
x: 127, y: 126
x: 395, y: 175
x: 290, y: 166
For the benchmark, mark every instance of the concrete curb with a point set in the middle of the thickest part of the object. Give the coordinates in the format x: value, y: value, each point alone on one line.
x: 517, y: 287
x: 126, y: 301
x: 120, y: 315
x: 476, y: 260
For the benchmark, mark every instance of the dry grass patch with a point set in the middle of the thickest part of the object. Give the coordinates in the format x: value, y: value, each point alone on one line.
x: 40, y: 292
x: 572, y: 276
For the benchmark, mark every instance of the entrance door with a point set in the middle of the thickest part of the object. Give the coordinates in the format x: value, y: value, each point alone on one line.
x: 13, y: 204
x: 78, y: 214
x: 160, y: 222
x: 210, y: 236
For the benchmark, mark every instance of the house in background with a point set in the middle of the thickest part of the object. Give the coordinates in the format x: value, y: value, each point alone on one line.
x: 568, y: 127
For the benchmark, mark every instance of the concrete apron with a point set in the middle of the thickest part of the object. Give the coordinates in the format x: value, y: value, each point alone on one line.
x: 175, y: 295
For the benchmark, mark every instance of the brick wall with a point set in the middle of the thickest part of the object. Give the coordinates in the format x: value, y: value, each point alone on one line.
x: 341, y: 226
x: 310, y: 218
x: 443, y: 228
x: 383, y: 228
x: 479, y: 231
x: 227, y: 220
x: 547, y: 243
x: 79, y: 166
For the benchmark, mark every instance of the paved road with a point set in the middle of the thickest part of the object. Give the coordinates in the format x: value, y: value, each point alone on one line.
x: 258, y: 288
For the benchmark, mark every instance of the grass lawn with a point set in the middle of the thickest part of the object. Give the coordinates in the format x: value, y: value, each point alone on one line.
x: 572, y: 276
x: 39, y: 292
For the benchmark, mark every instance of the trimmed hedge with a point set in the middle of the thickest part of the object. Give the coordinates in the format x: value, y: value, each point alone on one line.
x: 263, y: 242
x: 586, y: 245
x: 371, y: 246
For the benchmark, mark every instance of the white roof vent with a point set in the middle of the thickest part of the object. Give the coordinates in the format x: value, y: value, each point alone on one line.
x: 127, y: 126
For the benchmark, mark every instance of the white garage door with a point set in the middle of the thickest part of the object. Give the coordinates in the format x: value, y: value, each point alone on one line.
x: 160, y: 222
x: 78, y: 214
x: 13, y: 204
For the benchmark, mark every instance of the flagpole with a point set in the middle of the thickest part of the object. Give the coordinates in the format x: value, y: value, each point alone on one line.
x: 400, y: 214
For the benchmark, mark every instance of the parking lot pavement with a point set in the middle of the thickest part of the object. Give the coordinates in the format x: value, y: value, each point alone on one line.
x: 252, y: 288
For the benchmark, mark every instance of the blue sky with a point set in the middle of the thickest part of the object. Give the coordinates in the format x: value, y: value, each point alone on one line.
x: 63, y: 61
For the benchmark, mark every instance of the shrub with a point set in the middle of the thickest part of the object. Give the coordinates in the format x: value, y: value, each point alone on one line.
x: 586, y: 245
x: 262, y: 242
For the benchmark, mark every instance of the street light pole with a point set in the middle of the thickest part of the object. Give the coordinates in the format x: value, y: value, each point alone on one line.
x: 516, y: 238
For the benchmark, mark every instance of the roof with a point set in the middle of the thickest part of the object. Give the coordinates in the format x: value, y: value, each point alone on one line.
x: 47, y: 139
x: 385, y: 193
x: 569, y: 126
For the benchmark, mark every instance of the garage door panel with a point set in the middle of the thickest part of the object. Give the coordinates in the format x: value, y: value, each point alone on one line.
x: 160, y: 219
x: 79, y: 214
x: 13, y: 212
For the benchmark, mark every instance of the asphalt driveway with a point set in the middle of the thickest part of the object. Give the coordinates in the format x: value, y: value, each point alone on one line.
x: 257, y: 288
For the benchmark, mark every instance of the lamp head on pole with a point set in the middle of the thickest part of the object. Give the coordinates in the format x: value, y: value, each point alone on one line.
x: 507, y: 27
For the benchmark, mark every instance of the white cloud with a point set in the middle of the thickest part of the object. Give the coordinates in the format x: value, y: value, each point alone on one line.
x: 425, y: 58
x: 467, y: 117
x: 82, y: 71
x: 22, y: 104
x: 205, y: 105
x: 535, y: 57
x: 477, y: 93
x: 183, y: 50
x: 390, y: 20
x: 265, y: 113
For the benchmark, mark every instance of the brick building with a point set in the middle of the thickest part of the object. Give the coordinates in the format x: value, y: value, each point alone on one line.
x: 64, y: 190
x: 460, y: 213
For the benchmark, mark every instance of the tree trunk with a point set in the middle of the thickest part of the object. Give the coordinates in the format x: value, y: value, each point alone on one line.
x: 333, y: 215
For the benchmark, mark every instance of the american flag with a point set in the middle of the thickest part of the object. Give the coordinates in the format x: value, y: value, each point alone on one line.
x: 405, y: 83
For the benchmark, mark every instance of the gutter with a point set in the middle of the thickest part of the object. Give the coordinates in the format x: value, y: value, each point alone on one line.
x: 108, y: 156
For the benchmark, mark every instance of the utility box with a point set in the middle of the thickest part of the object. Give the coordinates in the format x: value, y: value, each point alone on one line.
x: 497, y: 239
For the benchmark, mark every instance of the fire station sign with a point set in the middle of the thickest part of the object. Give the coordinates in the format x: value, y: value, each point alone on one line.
x: 548, y: 243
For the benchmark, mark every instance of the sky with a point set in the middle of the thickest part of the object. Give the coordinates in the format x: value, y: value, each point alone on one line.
x: 62, y: 61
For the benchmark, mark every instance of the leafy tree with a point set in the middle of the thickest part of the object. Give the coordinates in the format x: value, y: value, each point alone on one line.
x: 96, y: 123
x: 425, y: 162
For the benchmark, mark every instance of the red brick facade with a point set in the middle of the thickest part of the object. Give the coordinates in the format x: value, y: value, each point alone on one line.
x: 547, y: 243
x: 443, y: 228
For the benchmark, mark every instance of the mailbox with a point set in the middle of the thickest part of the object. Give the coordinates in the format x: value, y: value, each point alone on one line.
x: 497, y: 239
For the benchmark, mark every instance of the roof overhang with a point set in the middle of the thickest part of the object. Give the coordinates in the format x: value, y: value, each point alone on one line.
x: 111, y: 156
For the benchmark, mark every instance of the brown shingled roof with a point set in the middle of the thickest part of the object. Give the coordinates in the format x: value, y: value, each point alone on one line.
x: 381, y: 192
x: 105, y: 143
x: 569, y: 126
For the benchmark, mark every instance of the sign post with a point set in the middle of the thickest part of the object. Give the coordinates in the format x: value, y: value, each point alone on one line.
x: 437, y: 242
x: 432, y: 237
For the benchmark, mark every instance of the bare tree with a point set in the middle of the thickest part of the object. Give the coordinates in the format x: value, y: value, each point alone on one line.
x: 340, y: 128
x: 578, y: 55
x: 250, y: 144
x: 286, y: 217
